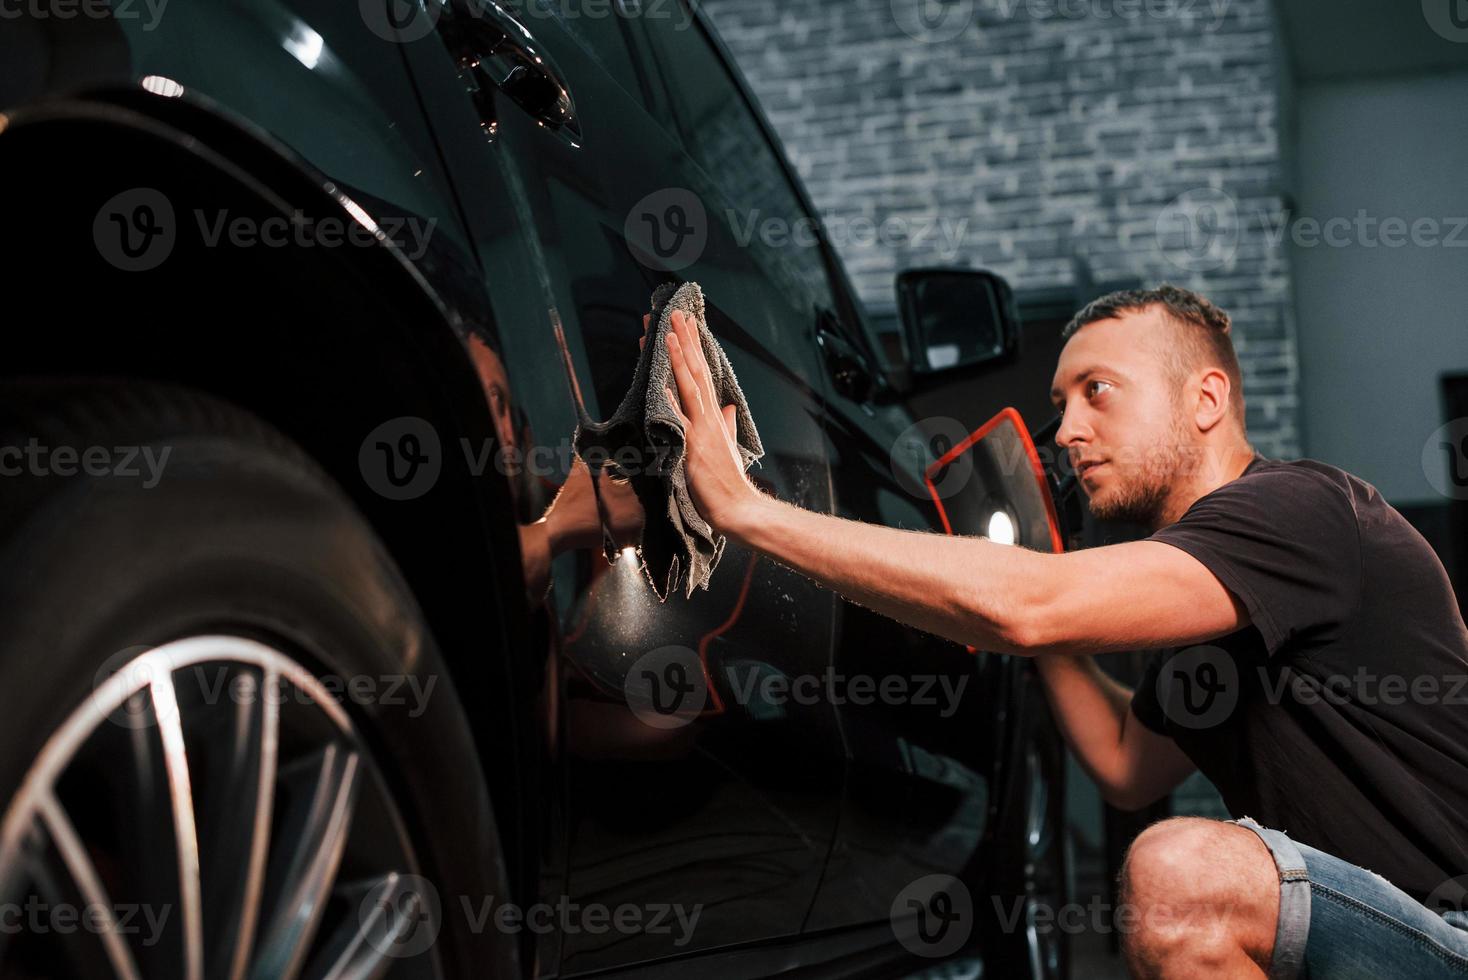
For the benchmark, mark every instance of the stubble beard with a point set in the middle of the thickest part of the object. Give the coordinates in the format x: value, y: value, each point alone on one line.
x: 1140, y: 494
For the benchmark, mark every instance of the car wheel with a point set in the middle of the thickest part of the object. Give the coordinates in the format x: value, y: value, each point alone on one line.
x: 228, y: 747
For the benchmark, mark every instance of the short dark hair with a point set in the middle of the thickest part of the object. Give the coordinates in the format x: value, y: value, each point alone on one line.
x: 1205, y: 330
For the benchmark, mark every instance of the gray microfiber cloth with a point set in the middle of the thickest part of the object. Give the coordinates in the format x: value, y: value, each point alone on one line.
x: 678, y: 546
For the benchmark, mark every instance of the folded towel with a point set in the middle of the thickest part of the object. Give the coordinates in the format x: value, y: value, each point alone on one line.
x: 678, y: 546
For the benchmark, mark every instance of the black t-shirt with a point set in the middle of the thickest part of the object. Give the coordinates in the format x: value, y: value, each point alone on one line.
x: 1340, y: 715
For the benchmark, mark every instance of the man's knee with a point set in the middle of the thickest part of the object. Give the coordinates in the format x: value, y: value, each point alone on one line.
x: 1178, y: 859
x: 1200, y: 888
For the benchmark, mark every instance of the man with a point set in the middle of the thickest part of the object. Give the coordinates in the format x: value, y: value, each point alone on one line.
x: 1292, y: 596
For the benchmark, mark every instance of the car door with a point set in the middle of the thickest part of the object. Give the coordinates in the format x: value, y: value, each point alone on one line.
x: 725, y: 806
x: 920, y: 716
x: 924, y: 749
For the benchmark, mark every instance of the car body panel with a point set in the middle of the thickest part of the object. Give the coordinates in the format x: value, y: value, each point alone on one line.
x: 733, y: 812
x: 775, y: 817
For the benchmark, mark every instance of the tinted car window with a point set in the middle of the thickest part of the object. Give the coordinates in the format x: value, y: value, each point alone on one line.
x: 600, y: 27
x: 723, y: 136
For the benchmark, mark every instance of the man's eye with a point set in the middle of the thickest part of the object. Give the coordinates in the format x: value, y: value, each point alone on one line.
x: 1093, y: 388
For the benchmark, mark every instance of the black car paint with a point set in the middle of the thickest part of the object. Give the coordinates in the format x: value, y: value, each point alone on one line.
x: 780, y: 823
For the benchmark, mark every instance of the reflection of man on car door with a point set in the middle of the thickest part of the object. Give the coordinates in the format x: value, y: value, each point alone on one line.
x: 583, y: 506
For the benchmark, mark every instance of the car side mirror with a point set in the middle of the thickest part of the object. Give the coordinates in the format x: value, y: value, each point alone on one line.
x: 955, y: 318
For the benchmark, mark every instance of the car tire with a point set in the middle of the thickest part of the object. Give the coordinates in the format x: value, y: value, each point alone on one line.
x: 219, y: 695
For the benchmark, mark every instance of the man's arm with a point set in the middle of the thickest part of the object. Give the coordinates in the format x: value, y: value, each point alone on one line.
x: 1132, y: 765
x: 1137, y: 595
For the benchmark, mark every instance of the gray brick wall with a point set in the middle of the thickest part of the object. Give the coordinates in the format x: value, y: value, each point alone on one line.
x: 1140, y: 136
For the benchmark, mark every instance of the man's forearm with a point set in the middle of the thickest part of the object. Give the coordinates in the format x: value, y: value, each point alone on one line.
x: 969, y: 590
x: 1090, y: 709
x: 1132, y: 765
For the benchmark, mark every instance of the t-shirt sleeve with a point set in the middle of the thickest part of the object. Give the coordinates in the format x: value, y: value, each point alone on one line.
x: 1286, y: 543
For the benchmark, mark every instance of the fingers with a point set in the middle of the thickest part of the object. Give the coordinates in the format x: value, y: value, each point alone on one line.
x: 673, y: 401
x: 691, y: 374
x: 691, y: 346
x: 642, y: 341
x: 688, y: 391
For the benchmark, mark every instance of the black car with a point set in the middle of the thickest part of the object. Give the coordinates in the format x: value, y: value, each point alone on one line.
x: 325, y: 655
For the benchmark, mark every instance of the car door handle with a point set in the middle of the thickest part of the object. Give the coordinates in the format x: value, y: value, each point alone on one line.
x: 845, y: 364
x: 498, y: 51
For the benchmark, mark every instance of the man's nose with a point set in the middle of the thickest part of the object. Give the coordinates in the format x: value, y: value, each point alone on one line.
x: 1072, y: 430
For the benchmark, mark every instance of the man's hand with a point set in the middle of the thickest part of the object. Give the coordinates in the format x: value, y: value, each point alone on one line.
x: 714, y: 468
x: 574, y: 519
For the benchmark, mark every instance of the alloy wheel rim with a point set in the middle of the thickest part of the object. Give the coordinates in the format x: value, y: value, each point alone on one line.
x: 288, y: 856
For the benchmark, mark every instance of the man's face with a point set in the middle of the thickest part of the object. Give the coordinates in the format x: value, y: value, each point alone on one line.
x: 1124, y: 427
x: 496, y: 384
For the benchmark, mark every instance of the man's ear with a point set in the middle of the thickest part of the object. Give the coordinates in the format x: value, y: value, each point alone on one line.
x: 1213, y: 398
